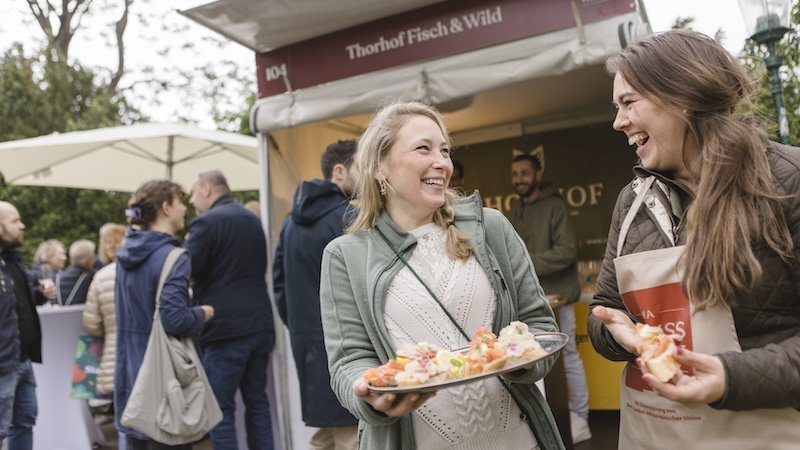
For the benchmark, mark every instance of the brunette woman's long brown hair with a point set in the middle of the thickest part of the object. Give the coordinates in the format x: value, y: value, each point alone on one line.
x: 736, y: 205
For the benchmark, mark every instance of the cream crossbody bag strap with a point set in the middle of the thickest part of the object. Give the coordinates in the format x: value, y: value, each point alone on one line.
x: 169, y: 263
x: 637, y: 202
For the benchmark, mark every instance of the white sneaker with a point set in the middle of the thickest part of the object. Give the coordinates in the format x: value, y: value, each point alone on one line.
x: 579, y: 427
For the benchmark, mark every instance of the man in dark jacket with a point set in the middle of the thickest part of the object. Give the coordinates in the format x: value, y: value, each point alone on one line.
x: 72, y: 285
x: 541, y: 218
x: 229, y: 264
x: 20, y: 336
x: 320, y: 210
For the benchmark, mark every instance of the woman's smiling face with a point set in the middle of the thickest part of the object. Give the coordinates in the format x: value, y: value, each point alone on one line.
x: 418, y: 169
x: 657, y: 133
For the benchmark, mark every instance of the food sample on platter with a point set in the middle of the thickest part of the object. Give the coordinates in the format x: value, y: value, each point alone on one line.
x: 424, y: 362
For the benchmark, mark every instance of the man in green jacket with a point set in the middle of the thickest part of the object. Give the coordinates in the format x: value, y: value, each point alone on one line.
x: 542, y: 220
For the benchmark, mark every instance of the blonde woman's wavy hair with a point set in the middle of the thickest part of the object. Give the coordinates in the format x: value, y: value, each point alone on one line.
x: 373, y: 147
x: 736, y: 205
x: 108, y: 232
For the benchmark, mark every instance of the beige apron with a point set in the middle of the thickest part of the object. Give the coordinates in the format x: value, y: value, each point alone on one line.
x: 650, y: 285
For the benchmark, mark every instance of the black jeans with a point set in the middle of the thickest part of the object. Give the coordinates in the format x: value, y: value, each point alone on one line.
x: 138, y: 444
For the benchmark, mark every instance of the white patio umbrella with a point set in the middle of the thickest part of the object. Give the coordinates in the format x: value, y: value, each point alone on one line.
x: 122, y: 158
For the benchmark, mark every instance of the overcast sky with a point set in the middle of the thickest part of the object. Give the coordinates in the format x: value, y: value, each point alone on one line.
x: 709, y: 15
x: 88, y: 48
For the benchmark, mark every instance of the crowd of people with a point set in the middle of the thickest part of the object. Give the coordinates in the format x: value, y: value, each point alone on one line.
x: 386, y: 250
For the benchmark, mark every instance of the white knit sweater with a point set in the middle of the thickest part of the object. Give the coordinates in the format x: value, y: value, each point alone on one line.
x: 478, y: 415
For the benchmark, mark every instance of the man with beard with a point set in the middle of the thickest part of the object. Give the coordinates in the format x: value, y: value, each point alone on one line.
x: 319, y: 216
x: 542, y: 220
x: 20, y: 336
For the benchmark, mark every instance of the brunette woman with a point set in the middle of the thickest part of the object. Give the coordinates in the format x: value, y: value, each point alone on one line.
x: 704, y: 242
x: 156, y: 212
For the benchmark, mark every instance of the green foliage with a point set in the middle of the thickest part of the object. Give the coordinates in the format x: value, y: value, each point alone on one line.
x: 20, y: 97
x: 63, y: 214
x: 245, y: 196
x: 39, y: 96
x: 683, y: 23
x: 753, y: 57
x: 43, y: 93
x: 791, y: 82
x: 238, y: 121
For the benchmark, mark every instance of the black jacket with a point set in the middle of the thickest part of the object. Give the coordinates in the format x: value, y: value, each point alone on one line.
x: 317, y: 218
x: 73, y: 284
x: 229, y: 267
x: 20, y: 330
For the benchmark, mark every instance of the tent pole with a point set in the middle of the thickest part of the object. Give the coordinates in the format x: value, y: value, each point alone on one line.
x: 170, y: 156
x: 280, y: 383
x: 264, y: 193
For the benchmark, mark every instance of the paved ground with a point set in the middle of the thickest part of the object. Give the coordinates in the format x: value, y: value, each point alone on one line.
x: 604, y: 426
x: 110, y: 433
x: 605, y: 431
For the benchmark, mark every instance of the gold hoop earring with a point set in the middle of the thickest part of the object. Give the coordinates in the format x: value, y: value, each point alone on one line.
x: 382, y: 186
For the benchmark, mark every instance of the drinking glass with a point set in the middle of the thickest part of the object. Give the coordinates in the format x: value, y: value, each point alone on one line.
x: 46, y: 283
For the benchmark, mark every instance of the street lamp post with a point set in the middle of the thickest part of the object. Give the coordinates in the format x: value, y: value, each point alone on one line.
x: 767, y: 22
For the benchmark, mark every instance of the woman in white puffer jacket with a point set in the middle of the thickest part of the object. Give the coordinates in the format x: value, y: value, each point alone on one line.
x: 100, y: 319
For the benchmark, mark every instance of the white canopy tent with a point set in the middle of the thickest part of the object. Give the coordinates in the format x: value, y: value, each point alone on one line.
x: 453, y: 81
x: 122, y: 158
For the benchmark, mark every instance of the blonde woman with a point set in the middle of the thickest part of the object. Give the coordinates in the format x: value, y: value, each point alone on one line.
x: 110, y: 240
x: 100, y: 319
x: 469, y: 256
x: 99, y: 314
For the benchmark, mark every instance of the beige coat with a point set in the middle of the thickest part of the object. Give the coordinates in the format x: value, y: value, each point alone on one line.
x: 100, y: 319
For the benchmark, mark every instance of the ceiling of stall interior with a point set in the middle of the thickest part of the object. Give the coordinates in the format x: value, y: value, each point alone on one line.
x: 573, y: 99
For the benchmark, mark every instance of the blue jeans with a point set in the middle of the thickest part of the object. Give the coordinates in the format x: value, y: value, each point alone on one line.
x: 573, y: 365
x: 241, y: 364
x: 8, y: 386
x: 18, y: 407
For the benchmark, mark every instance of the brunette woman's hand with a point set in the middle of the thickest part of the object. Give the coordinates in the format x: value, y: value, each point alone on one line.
x: 393, y: 405
x: 707, y: 385
x: 619, y: 325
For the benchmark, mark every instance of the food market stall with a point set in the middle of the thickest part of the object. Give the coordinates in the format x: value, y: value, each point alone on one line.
x: 510, y: 75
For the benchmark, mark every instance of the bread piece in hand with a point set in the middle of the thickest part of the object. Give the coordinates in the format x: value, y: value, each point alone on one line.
x: 657, y: 351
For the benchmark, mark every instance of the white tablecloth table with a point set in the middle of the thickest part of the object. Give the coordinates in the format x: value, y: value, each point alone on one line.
x: 63, y: 423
